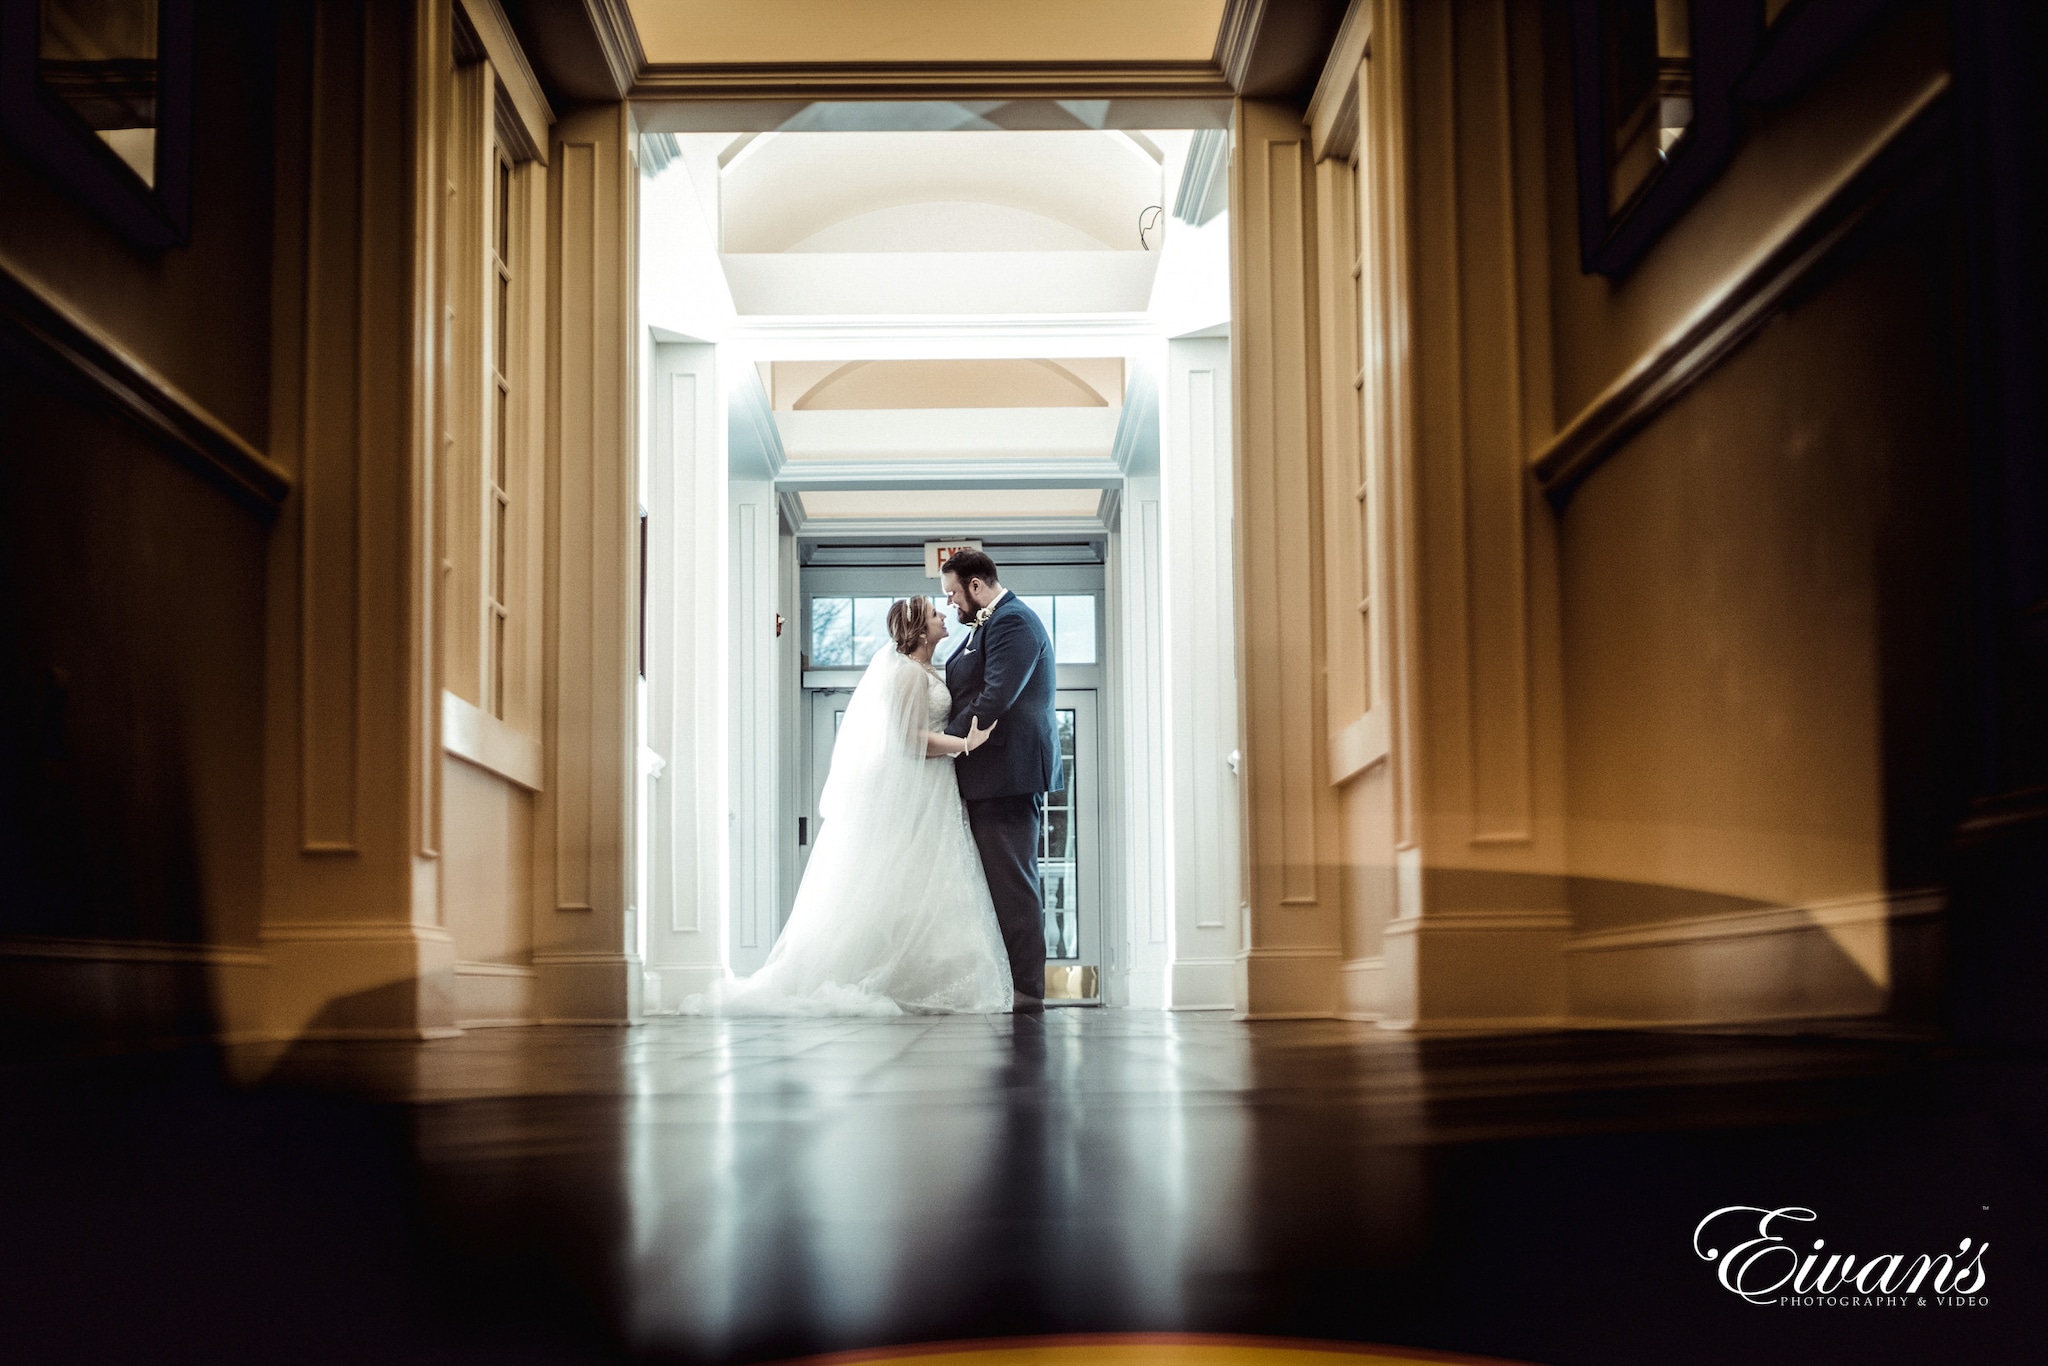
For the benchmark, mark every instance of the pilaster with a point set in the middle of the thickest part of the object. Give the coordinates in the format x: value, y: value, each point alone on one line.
x: 689, y: 826
x: 586, y: 950
x: 351, y: 922
x: 1203, y: 755
x: 1288, y: 960
x: 1450, y: 96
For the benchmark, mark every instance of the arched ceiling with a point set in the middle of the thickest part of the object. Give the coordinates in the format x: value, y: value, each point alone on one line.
x: 777, y: 32
x: 1062, y: 190
x: 808, y: 386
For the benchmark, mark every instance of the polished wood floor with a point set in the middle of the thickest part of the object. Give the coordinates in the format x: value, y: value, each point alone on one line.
x: 750, y: 1190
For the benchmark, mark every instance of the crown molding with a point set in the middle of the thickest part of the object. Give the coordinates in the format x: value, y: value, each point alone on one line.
x: 927, y: 81
x: 494, y: 33
x: 618, y: 38
x: 1332, y: 116
x: 1237, y: 38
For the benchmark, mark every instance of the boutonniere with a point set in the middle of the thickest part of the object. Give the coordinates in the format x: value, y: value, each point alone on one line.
x: 982, y: 616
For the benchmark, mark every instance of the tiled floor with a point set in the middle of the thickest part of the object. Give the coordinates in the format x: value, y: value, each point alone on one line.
x: 748, y: 1189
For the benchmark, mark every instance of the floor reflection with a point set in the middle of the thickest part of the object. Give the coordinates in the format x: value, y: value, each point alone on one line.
x: 738, y: 1190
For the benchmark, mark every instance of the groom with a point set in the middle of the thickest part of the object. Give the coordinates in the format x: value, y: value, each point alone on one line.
x: 1004, y: 671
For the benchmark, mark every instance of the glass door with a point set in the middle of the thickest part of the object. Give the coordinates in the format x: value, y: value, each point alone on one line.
x: 828, y: 707
x: 1069, y: 858
x: 842, y: 626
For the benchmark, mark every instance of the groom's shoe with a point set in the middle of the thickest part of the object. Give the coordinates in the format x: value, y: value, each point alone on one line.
x: 1024, y: 1005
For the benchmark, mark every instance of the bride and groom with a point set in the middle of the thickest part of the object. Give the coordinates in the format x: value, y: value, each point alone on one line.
x: 922, y: 892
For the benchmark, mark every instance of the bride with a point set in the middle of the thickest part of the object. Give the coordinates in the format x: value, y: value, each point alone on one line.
x: 893, y: 913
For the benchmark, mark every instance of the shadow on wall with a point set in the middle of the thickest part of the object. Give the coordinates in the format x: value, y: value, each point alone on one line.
x: 1765, y: 601
x: 131, y: 731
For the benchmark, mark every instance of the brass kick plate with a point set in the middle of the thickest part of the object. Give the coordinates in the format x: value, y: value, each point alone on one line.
x: 1069, y: 983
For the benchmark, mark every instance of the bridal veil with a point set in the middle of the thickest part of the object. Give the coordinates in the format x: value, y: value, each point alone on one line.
x: 893, y: 913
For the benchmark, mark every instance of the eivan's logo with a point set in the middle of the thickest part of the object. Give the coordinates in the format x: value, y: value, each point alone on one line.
x: 1765, y: 1268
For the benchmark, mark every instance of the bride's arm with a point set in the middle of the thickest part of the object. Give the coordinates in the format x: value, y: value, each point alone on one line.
x: 938, y: 746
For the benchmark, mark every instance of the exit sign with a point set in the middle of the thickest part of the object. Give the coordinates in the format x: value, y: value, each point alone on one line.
x: 936, y: 553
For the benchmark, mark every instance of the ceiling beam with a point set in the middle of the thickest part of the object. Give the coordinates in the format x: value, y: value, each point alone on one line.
x: 926, y: 81
x: 586, y: 50
x: 888, y: 529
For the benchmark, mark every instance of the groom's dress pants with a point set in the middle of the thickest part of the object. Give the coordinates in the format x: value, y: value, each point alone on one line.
x: 1006, y: 830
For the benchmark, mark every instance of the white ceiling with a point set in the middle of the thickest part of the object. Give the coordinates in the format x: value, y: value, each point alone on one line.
x: 928, y: 505
x: 1071, y: 190
x: 787, y: 32
x: 1027, y: 240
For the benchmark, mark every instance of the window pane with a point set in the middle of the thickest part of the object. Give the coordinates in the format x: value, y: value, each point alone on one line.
x: 1043, y: 607
x: 870, y: 629
x: 1075, y: 641
x: 831, y: 633
x: 1058, y: 857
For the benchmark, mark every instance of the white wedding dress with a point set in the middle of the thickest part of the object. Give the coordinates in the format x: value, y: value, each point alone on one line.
x: 893, y: 913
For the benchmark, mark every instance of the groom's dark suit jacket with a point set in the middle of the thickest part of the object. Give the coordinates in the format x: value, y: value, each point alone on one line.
x: 1005, y: 672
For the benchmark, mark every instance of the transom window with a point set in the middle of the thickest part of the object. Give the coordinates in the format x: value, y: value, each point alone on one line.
x: 846, y: 632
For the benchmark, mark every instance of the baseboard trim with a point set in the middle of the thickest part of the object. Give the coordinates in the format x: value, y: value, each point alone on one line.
x: 464, y: 969
x: 1828, y: 960
x: 353, y: 932
x: 1480, y: 1024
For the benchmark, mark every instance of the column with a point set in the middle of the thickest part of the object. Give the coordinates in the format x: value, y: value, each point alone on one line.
x: 1478, y: 941
x: 1288, y: 960
x: 1144, y: 950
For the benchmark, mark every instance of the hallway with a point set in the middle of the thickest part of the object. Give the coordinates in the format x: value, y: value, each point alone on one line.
x: 749, y: 1190
x: 1541, y: 513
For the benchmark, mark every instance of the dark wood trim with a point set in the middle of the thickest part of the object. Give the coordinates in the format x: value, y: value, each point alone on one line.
x: 1669, y: 369
x: 932, y: 81
x: 52, y: 330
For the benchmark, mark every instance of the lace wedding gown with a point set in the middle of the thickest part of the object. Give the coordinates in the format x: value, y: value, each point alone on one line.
x: 893, y: 913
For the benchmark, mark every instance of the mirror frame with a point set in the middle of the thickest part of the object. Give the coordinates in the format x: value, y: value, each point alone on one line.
x: 1725, y: 34
x: 153, y: 218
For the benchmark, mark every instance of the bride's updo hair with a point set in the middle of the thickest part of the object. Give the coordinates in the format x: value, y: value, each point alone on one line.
x: 909, y: 619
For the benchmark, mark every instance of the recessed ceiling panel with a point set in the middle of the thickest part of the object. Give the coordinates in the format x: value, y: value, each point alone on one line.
x: 938, y: 504
x: 790, y: 32
x: 1069, y: 382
